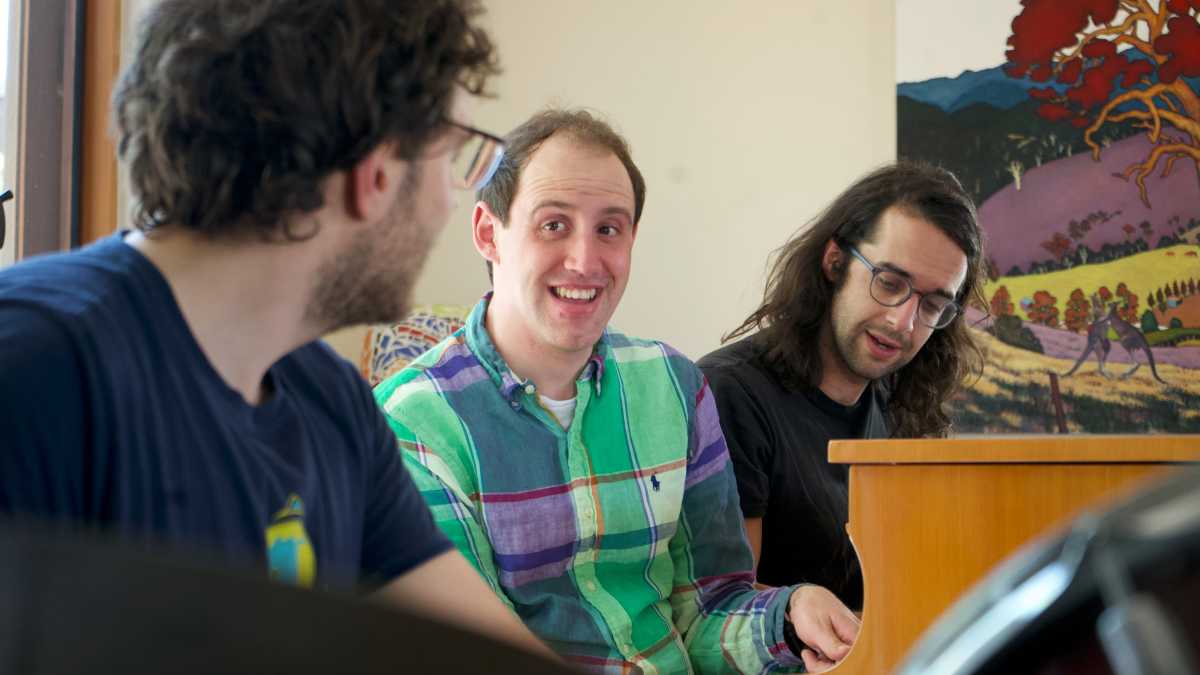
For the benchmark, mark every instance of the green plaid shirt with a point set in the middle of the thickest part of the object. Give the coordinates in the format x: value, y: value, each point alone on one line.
x: 618, y: 540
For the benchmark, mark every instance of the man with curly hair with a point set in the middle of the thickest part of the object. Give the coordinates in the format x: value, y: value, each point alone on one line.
x: 292, y: 162
x: 860, y: 335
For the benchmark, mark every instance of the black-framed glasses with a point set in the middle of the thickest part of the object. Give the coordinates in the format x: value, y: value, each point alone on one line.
x: 476, y: 161
x: 892, y: 289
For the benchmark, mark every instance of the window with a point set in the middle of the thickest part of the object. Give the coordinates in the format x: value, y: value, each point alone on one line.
x: 40, y: 145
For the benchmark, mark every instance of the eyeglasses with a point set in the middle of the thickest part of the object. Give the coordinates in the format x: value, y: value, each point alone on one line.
x: 892, y: 289
x: 477, y: 159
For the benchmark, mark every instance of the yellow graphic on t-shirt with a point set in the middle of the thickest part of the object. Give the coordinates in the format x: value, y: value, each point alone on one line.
x: 289, y: 552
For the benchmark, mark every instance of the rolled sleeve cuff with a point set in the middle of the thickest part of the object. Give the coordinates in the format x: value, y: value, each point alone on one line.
x: 782, y: 654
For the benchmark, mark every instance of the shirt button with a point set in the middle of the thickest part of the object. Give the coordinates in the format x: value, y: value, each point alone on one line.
x: 529, y: 389
x: 590, y: 586
x: 627, y: 647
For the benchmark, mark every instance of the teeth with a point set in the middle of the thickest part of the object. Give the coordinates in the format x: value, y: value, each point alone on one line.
x: 575, y: 293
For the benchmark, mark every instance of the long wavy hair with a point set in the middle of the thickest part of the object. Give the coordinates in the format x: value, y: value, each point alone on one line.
x: 798, y: 295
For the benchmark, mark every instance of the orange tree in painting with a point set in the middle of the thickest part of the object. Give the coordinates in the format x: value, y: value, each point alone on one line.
x: 1078, y: 313
x: 1128, y: 310
x: 1085, y: 47
x: 1043, y: 309
x: 1058, y: 246
x: 1001, y: 302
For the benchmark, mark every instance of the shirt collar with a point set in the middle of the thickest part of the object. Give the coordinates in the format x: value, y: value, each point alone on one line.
x: 502, y: 375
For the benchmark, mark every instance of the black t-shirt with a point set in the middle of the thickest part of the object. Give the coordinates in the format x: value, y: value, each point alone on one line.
x: 778, y: 440
x: 111, y: 416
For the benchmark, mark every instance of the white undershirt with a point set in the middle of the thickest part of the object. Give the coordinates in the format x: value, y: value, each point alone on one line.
x: 563, y: 411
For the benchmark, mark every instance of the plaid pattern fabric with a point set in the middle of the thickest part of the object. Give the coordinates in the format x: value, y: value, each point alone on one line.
x: 619, y: 540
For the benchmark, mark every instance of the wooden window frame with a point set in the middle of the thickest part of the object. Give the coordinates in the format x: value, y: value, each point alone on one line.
x: 62, y: 160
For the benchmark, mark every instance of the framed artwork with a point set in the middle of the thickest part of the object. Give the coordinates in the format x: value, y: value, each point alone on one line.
x: 1075, y: 126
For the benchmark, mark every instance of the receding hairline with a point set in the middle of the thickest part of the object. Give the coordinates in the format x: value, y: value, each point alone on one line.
x: 583, y: 142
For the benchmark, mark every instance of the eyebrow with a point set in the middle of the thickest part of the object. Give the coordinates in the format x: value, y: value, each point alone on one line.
x: 560, y: 204
x: 908, y: 275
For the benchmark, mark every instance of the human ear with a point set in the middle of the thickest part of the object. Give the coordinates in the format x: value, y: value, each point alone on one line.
x: 483, y: 232
x: 832, y: 261
x: 372, y: 182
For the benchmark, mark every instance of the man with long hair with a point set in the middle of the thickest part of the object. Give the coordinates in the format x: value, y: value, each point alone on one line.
x: 292, y: 163
x: 581, y: 470
x: 860, y: 335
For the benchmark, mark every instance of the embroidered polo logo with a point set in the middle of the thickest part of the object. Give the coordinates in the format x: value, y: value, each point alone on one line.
x: 654, y: 482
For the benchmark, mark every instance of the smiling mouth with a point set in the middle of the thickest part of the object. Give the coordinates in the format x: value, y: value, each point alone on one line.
x: 575, y: 294
x: 883, y: 343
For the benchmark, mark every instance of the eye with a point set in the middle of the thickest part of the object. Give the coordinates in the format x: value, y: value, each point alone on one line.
x: 554, y: 226
x: 890, y: 283
x: 609, y: 230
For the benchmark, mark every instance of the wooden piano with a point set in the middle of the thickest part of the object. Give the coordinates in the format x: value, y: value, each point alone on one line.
x: 929, y: 518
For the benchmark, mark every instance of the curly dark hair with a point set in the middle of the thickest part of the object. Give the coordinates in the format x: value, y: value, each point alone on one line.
x: 232, y: 112
x: 798, y: 295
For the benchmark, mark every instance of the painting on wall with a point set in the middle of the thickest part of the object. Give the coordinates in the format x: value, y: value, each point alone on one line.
x: 1075, y: 125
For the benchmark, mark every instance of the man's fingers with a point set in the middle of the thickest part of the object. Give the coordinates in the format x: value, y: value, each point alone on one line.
x: 822, y: 622
x: 846, y: 626
x: 813, y: 662
x: 825, y: 640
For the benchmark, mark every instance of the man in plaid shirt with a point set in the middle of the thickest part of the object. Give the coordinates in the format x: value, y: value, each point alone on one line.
x: 584, y: 472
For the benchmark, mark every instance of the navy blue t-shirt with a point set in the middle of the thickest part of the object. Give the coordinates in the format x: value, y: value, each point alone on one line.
x: 111, y: 416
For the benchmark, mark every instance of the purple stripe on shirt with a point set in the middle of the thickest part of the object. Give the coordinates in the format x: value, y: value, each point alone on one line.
x: 525, y: 528
x: 710, y: 461
x: 715, y: 590
x: 527, y: 561
x: 457, y: 369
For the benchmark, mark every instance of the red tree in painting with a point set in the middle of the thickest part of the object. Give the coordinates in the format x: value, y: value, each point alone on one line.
x: 1058, y: 246
x: 1078, y: 313
x: 1044, y: 310
x: 1128, y: 310
x: 1001, y: 302
x: 1075, y: 43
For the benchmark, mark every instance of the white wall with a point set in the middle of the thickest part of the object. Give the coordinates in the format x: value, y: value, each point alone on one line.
x: 745, y: 118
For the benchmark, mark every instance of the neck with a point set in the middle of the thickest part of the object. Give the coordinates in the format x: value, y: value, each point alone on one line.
x: 552, y: 371
x: 241, y: 300
x: 838, y: 382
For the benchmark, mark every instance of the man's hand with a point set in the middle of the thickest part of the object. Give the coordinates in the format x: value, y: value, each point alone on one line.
x: 824, y: 625
x: 448, y: 589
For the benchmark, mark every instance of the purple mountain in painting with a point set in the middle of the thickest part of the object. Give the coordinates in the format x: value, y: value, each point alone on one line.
x: 1072, y: 188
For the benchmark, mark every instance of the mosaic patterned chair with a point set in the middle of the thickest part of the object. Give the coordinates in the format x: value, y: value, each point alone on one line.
x: 387, y: 349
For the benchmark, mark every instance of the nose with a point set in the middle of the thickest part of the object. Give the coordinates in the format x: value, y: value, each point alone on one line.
x: 583, y: 256
x: 903, y: 317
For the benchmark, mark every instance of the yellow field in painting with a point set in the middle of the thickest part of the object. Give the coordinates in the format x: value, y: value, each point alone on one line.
x: 1143, y: 273
x: 1010, y: 368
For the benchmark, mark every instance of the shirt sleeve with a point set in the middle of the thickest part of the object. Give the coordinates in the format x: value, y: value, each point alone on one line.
x: 43, y: 420
x: 445, y: 492
x: 745, y: 428
x: 727, y: 625
x: 399, y: 533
